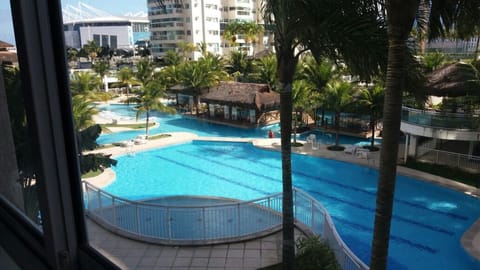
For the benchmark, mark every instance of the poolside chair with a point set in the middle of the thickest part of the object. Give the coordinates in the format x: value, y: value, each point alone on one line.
x: 362, y: 153
x: 350, y: 149
x: 140, y: 139
x: 126, y: 143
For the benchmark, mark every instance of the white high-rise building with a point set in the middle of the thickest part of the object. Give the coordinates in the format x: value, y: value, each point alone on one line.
x: 198, y: 21
x: 191, y: 21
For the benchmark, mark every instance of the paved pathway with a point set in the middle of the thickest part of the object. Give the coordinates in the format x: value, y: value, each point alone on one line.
x: 130, y: 254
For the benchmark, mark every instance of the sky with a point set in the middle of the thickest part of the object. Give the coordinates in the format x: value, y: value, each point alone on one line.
x: 114, y: 7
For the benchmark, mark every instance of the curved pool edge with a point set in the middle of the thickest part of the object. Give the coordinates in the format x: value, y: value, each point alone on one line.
x: 274, y: 144
x: 471, y: 240
x: 209, y: 224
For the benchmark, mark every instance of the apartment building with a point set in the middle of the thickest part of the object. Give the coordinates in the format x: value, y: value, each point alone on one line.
x: 192, y: 21
x: 201, y: 21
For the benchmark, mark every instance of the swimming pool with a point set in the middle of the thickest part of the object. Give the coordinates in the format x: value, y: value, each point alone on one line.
x: 178, y: 123
x: 427, y: 224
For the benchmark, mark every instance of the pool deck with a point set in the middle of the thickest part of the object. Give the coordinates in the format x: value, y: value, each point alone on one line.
x: 470, y: 240
x: 131, y: 254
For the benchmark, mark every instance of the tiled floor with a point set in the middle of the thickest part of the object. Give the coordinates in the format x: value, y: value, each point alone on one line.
x: 130, y: 254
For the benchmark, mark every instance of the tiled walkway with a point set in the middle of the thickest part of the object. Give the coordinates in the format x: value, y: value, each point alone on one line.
x: 130, y: 254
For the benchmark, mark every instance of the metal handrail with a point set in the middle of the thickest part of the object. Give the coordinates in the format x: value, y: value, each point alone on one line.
x: 228, y: 225
x: 442, y: 120
x: 461, y: 161
x: 449, y: 114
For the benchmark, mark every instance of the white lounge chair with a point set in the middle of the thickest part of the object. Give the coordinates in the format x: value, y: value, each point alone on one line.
x: 126, y: 143
x: 362, y: 153
x: 141, y: 139
x: 350, y: 149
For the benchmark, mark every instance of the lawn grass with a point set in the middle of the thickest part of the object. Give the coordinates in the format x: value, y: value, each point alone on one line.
x: 92, y: 174
x: 132, y: 126
x: 159, y: 136
x: 336, y: 148
x: 468, y: 178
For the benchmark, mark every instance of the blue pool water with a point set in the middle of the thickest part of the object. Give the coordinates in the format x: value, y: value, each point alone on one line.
x: 177, y: 123
x: 427, y: 224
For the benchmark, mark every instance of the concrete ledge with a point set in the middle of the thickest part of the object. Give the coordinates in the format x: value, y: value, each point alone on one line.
x: 471, y: 240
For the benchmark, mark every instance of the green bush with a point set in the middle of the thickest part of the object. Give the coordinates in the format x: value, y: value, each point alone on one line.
x: 314, y: 254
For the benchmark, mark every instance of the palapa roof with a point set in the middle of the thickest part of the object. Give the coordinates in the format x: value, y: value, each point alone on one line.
x: 454, y: 80
x: 251, y: 95
x: 4, y: 44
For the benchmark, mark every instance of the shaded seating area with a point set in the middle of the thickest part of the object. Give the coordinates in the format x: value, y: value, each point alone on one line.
x: 247, y: 103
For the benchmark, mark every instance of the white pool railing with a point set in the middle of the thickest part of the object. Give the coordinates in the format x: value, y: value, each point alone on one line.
x: 213, y: 223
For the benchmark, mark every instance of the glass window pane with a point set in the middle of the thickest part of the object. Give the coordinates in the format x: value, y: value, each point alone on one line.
x: 6, y: 262
x: 18, y: 182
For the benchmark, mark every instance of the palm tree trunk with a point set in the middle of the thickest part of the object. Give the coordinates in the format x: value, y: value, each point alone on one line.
x: 475, y: 55
x: 286, y: 69
x: 337, y: 128
x: 147, y: 122
x: 128, y: 90
x: 372, y: 127
x: 400, y: 21
x: 295, y: 128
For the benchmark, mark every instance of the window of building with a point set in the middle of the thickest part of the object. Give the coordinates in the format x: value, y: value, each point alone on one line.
x: 105, y: 40
x: 96, y: 38
x: 46, y: 230
x: 113, y: 42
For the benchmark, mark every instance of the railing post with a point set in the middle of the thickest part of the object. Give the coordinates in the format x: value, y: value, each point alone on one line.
x: 238, y: 219
x: 114, y: 214
x: 87, y: 191
x: 270, y: 210
x: 312, y: 215
x: 294, y: 205
x: 137, y: 219
x: 204, y: 224
x: 169, y: 224
x: 100, y: 207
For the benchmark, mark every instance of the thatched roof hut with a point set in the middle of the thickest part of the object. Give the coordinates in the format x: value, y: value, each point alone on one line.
x: 246, y: 95
x: 454, y: 80
x: 4, y: 45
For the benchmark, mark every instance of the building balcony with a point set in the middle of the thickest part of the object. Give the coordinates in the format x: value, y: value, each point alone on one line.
x: 441, y: 120
x: 441, y: 125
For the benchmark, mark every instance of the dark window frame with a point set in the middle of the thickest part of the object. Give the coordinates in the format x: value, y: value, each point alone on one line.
x: 63, y: 243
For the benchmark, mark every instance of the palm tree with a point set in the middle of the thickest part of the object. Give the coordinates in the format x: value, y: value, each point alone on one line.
x: 101, y: 68
x: 83, y: 111
x: 267, y: 68
x: 149, y: 99
x: 318, y: 74
x: 126, y: 76
x: 337, y: 97
x: 240, y: 64
x: 300, y: 97
x: 204, y: 73
x: 172, y: 58
x: 92, y: 50
x: 316, y: 25
x: 145, y: 69
x: 372, y: 98
x: 433, y: 61
x: 84, y: 83
x: 87, y: 85
x: 251, y: 31
x: 232, y: 29
x: 186, y: 49
x: 400, y: 19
